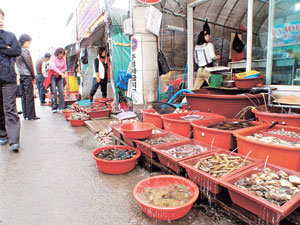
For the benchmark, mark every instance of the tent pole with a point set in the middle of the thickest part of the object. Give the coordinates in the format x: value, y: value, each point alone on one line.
x: 190, y: 41
x: 270, y: 42
x: 249, y: 34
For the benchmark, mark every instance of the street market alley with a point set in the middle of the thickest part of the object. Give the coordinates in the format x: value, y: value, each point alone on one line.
x: 54, y: 181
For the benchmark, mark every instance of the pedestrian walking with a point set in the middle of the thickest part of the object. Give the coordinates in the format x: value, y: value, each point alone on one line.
x: 9, y: 118
x: 101, y: 73
x: 41, y: 74
x: 27, y: 76
x: 56, y: 74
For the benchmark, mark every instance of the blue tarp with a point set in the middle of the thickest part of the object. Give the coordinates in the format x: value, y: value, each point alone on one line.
x: 122, y: 79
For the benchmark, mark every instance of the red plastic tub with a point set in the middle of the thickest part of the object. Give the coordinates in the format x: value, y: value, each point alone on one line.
x: 174, y: 122
x: 281, y: 155
x: 97, y: 113
x: 219, y: 138
x: 284, y: 119
x: 147, y: 149
x: 77, y: 123
x: 248, y: 83
x: 172, y: 162
x: 116, y: 167
x: 222, y: 102
x: 137, y: 130
x: 150, y: 116
x: 67, y: 114
x: 259, y: 206
x: 165, y: 213
x: 207, y: 181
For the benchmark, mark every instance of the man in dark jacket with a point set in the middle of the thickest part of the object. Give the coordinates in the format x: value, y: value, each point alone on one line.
x: 9, y: 119
x: 27, y: 76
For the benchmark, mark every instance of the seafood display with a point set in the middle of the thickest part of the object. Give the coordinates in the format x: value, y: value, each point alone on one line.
x: 176, y: 111
x: 218, y: 165
x: 161, y: 140
x: 105, y: 136
x: 230, y: 125
x: 183, y: 151
x: 135, y: 120
x: 191, y: 117
x: 284, y: 133
x: 115, y: 154
x: 275, y: 186
x: 79, y: 116
x: 170, y: 196
x: 272, y: 140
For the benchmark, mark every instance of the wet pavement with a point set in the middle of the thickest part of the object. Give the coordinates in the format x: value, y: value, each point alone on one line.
x: 54, y: 181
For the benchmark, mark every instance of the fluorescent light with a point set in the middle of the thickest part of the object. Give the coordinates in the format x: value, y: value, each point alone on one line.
x: 297, y: 6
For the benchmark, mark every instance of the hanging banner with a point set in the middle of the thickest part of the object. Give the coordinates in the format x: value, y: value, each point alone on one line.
x: 286, y: 34
x: 88, y: 11
x: 137, y: 71
x: 149, y: 2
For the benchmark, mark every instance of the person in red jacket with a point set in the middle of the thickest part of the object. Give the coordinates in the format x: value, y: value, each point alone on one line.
x: 101, y: 73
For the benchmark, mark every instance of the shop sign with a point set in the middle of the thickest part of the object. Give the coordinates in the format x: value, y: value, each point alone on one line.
x: 137, y: 73
x: 149, y: 2
x: 154, y: 20
x: 286, y: 34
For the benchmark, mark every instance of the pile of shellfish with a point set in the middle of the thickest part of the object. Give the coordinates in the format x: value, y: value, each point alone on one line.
x: 162, y: 140
x: 105, y: 136
x: 79, y: 116
x: 272, y: 140
x: 275, y: 186
x: 218, y: 165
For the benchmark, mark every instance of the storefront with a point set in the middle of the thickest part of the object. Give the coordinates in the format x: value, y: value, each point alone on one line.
x: 273, y: 34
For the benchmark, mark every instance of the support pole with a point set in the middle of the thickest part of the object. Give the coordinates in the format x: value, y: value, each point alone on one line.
x: 190, y: 41
x: 249, y: 35
x: 270, y: 42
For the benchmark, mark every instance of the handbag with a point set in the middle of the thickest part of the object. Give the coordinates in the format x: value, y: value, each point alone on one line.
x: 163, y: 66
x: 237, y: 44
x: 84, y: 58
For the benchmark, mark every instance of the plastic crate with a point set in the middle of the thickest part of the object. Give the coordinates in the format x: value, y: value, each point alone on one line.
x: 147, y: 148
x: 97, y: 113
x: 207, y: 181
x: 172, y: 162
x: 260, y: 206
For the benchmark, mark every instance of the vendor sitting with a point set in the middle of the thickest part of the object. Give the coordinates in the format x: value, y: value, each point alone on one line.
x: 204, y: 56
